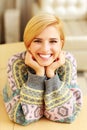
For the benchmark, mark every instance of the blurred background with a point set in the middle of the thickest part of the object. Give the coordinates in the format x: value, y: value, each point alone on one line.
x: 14, y: 14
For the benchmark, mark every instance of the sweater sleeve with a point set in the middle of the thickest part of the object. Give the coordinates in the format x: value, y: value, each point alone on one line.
x: 63, y: 97
x: 23, y: 94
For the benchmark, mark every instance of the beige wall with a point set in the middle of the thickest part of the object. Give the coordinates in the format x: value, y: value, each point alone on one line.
x: 4, y: 5
x: 25, y: 7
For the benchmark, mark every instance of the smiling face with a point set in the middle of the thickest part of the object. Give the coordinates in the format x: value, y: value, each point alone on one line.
x: 46, y: 47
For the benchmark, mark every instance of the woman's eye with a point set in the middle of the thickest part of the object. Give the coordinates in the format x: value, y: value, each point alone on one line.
x: 37, y: 41
x: 53, y: 41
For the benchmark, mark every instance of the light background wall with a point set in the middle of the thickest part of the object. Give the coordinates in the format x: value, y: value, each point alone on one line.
x: 25, y: 7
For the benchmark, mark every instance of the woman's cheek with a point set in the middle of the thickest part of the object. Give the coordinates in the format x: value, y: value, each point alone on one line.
x: 58, y: 53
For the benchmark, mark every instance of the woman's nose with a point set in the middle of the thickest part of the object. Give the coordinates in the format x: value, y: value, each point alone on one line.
x: 46, y: 46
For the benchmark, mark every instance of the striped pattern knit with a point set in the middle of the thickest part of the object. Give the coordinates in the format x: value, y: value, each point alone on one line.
x: 28, y: 97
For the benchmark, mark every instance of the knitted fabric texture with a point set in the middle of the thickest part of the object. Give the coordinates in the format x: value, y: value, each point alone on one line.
x: 29, y: 97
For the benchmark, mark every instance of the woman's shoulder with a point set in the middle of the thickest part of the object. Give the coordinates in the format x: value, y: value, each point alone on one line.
x: 16, y: 69
x: 69, y: 54
x: 16, y: 57
x: 70, y: 57
x: 16, y: 61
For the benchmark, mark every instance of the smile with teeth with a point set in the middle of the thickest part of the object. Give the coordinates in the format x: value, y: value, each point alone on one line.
x: 45, y: 56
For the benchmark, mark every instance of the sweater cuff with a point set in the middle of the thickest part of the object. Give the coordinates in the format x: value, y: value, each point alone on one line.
x: 32, y: 91
x: 36, y: 82
x: 52, y: 84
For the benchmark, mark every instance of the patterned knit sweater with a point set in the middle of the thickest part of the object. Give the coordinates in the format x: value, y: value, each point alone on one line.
x: 29, y: 97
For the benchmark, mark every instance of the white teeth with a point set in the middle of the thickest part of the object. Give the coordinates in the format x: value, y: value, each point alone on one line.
x: 45, y: 56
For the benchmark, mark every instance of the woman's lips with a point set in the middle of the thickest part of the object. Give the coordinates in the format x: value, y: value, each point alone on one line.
x: 46, y: 56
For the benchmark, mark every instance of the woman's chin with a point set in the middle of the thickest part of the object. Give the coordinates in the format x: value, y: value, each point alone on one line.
x: 45, y: 64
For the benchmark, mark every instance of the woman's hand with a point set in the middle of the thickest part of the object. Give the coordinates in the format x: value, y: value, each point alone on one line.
x: 30, y: 61
x: 50, y: 70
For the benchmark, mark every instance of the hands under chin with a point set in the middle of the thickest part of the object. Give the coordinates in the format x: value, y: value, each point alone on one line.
x: 49, y: 71
x: 30, y: 61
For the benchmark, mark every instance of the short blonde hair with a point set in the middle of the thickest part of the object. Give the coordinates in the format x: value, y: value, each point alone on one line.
x: 38, y: 23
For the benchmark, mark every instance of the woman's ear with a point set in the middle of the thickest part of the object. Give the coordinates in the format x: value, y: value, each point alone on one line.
x: 62, y: 43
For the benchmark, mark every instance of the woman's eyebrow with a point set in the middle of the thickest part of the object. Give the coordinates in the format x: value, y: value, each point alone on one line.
x: 37, y: 38
x: 53, y: 38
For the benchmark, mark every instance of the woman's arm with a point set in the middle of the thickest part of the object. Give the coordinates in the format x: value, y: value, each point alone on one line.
x: 23, y: 95
x: 63, y: 97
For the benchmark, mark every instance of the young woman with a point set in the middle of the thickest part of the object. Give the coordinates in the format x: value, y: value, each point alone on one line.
x: 42, y: 81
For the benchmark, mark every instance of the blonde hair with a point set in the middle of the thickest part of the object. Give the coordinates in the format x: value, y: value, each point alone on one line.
x: 38, y: 23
